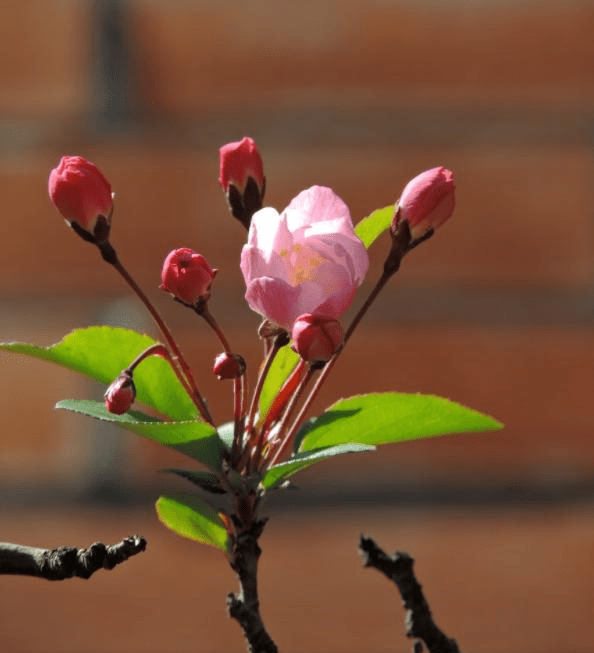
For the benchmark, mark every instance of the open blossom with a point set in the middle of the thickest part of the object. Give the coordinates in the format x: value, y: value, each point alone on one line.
x: 308, y: 259
x: 427, y: 201
x: 80, y: 192
x: 187, y: 276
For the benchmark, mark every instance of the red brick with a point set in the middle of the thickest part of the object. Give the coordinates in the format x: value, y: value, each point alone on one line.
x: 44, y: 58
x: 195, y: 57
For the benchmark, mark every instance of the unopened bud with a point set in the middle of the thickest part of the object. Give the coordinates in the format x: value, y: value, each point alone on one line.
x: 83, y: 196
x: 228, y: 366
x: 242, y: 178
x: 427, y: 201
x: 316, y: 338
x: 121, y: 394
x: 187, y: 276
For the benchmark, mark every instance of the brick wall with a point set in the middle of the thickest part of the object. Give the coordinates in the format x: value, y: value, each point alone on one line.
x: 494, y: 312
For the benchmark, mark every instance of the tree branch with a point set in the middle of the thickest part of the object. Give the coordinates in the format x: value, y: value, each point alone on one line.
x: 245, y: 607
x: 419, y: 621
x: 66, y: 561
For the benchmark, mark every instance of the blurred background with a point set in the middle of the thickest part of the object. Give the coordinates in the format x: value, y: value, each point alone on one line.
x: 495, y: 312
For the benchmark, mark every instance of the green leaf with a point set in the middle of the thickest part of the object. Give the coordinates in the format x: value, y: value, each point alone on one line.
x: 383, y: 418
x: 370, y: 228
x: 102, y: 352
x: 198, y: 440
x: 277, y: 474
x: 190, y: 517
x: 282, y: 366
x: 204, y: 480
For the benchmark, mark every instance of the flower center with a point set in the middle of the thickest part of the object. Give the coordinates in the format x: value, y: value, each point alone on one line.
x: 302, y: 263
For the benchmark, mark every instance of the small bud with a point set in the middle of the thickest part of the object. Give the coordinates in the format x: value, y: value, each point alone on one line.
x: 228, y: 366
x: 187, y: 276
x: 427, y: 201
x: 316, y: 338
x: 121, y: 394
x: 242, y: 178
x: 83, y: 196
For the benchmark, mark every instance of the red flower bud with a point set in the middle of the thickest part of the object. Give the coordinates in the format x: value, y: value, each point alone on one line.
x: 121, y: 394
x: 316, y: 338
x: 242, y: 178
x: 82, y: 195
x: 228, y: 366
x: 427, y: 201
x: 187, y: 276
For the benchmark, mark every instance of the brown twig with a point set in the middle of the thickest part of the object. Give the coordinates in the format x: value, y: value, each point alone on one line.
x: 245, y: 606
x: 67, y: 561
x: 419, y: 621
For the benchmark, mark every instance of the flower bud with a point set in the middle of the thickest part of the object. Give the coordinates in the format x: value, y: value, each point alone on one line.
x: 83, y: 196
x: 121, y: 394
x: 242, y: 178
x: 187, y: 276
x: 316, y: 338
x: 228, y: 366
x: 427, y: 201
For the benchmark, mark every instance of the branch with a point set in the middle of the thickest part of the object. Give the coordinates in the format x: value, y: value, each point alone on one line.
x: 419, y: 622
x: 245, y: 607
x: 66, y: 561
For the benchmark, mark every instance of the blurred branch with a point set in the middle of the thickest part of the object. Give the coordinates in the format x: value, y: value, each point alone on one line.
x: 66, y: 561
x: 419, y: 621
x: 245, y: 607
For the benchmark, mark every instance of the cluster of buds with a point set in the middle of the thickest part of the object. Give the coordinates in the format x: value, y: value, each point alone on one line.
x: 302, y: 268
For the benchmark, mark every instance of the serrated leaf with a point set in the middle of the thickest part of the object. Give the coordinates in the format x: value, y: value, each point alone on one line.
x: 198, y: 440
x: 370, y: 228
x: 389, y: 417
x: 276, y: 475
x: 283, y: 364
x: 204, y: 480
x: 102, y: 352
x: 190, y: 517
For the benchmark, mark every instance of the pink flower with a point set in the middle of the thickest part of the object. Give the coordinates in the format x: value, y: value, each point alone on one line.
x: 121, y: 394
x: 187, y: 276
x: 308, y: 259
x: 427, y: 201
x: 242, y: 178
x: 80, y: 192
x: 316, y: 338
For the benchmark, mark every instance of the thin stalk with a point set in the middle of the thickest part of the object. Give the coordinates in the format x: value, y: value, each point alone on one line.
x: 185, y: 370
x: 286, y: 440
x: 330, y: 364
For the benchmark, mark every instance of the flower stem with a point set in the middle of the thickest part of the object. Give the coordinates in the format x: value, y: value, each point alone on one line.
x: 330, y: 364
x: 183, y: 372
x: 286, y: 440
